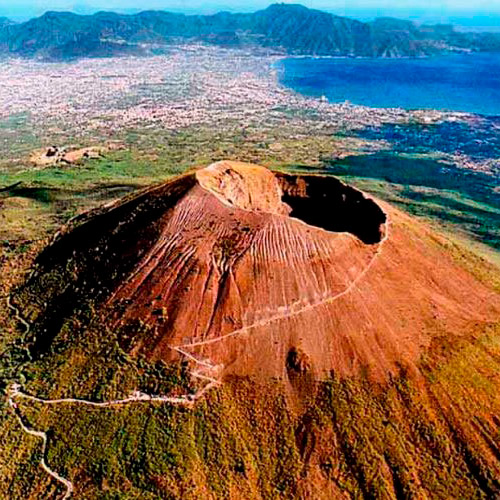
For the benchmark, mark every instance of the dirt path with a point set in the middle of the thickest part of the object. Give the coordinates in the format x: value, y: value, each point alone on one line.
x: 17, y: 316
x: 15, y: 392
x: 207, y: 370
x: 308, y: 307
x: 43, y: 436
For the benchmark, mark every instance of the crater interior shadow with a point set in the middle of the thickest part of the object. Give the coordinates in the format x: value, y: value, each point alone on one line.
x: 328, y: 203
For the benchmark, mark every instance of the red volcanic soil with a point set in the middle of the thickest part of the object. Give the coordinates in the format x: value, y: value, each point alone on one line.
x: 264, y: 273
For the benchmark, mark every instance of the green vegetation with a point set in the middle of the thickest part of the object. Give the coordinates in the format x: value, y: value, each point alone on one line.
x: 115, y: 167
x: 408, y: 440
x: 17, y: 136
x: 457, y: 199
x: 435, y: 436
x: 292, y: 28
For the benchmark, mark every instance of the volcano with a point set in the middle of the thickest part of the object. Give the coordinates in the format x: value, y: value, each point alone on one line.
x: 254, y: 272
x: 247, y: 334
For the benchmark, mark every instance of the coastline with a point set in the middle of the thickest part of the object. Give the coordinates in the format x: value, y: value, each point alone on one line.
x: 446, y: 83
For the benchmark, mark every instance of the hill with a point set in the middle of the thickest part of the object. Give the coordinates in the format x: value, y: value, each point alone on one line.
x: 4, y: 21
x: 291, y: 29
x: 214, y: 239
x: 302, y: 340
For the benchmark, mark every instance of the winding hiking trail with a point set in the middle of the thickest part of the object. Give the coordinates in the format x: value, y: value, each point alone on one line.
x: 17, y: 316
x: 42, y: 435
x: 15, y: 390
x: 307, y: 307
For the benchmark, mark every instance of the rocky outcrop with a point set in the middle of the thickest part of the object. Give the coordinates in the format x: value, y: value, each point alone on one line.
x: 54, y: 155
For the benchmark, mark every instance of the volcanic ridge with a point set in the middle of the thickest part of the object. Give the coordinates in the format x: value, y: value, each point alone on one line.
x: 240, y: 270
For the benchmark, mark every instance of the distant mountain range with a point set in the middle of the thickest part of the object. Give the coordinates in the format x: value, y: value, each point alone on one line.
x: 290, y: 29
x: 5, y: 22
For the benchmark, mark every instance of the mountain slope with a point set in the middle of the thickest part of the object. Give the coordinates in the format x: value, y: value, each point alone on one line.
x: 4, y: 21
x: 290, y: 28
x: 263, y: 258
x: 356, y: 352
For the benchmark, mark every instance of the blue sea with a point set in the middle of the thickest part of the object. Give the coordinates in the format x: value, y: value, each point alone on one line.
x: 457, y: 82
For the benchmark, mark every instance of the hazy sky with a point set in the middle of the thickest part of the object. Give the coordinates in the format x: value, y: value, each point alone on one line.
x: 462, y: 12
x: 449, y: 5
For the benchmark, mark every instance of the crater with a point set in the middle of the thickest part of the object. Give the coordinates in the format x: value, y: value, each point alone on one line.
x: 329, y: 204
x: 322, y: 202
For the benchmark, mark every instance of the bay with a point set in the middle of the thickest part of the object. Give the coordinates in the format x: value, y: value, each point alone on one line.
x: 456, y: 82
